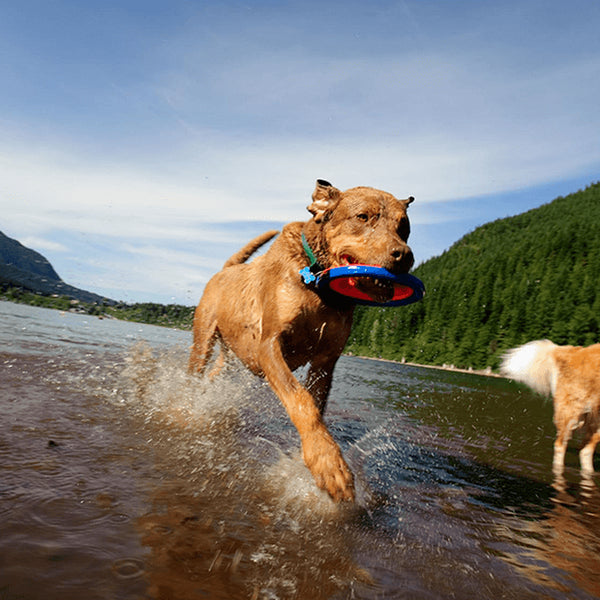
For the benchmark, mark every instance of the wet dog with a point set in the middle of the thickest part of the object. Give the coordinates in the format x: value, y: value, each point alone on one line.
x: 571, y: 374
x: 275, y: 320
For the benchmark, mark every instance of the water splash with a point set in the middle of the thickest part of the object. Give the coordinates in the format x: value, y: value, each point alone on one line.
x: 234, y: 501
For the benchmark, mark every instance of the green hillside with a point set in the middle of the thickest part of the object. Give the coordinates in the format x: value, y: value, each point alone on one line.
x: 535, y: 275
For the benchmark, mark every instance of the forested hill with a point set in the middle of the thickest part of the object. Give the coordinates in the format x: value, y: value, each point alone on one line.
x: 532, y: 276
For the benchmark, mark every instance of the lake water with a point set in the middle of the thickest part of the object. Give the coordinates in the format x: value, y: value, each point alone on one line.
x: 122, y: 477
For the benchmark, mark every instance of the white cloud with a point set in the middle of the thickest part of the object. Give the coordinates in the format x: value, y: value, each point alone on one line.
x: 162, y: 276
x: 272, y: 182
x: 42, y: 244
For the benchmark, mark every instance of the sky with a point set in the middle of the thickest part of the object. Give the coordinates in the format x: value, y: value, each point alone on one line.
x: 142, y: 142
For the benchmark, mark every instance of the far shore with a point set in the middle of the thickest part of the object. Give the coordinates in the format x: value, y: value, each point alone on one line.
x: 484, y: 372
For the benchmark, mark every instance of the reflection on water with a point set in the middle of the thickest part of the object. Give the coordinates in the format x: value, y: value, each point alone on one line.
x: 123, y: 477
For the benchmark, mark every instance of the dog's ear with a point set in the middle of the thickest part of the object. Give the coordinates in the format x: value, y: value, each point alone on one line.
x: 324, y: 198
x: 408, y: 201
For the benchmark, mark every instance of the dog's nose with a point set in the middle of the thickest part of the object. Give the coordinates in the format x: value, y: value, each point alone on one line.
x: 402, y: 258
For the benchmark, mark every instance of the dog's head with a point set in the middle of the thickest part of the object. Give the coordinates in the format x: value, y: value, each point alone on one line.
x: 361, y: 226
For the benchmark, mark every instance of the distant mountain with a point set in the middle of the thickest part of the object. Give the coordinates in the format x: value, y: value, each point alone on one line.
x: 532, y: 276
x: 25, y: 268
x: 13, y: 253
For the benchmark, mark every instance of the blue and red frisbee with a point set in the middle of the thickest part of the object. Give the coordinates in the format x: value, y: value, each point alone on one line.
x: 372, y: 285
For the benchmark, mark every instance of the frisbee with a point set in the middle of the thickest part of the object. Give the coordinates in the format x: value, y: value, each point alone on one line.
x: 372, y: 285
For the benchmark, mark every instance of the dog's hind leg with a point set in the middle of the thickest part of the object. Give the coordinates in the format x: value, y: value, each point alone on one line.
x: 205, y: 335
x: 560, y: 449
x: 318, y: 383
x: 220, y: 362
x: 565, y: 423
x: 591, y: 439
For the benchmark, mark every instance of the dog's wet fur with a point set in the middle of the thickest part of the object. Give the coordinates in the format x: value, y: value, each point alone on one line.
x: 266, y: 314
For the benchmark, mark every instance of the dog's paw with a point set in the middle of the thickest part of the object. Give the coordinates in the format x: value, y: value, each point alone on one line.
x: 324, y: 459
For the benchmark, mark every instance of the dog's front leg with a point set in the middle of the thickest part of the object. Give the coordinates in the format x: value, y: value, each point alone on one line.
x: 321, y: 454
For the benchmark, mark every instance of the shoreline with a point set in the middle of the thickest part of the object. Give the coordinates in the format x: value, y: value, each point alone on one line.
x: 451, y: 368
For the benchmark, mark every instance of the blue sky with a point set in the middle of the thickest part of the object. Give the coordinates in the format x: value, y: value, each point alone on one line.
x: 143, y: 142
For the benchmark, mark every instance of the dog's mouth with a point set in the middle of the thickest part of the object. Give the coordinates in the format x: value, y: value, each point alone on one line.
x: 346, y: 259
x: 379, y: 290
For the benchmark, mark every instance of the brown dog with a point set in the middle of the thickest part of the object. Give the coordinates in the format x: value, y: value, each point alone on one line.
x: 275, y: 322
x: 572, y: 375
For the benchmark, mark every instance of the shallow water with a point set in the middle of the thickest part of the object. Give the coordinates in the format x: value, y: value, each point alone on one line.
x: 123, y: 477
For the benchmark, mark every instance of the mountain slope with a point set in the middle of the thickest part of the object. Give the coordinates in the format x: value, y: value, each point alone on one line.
x: 25, y: 268
x: 535, y: 275
x: 17, y: 256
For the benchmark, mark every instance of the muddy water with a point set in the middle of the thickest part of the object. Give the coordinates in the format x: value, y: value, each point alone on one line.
x: 122, y: 477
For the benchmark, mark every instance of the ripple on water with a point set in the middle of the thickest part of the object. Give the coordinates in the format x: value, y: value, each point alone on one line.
x: 128, y: 568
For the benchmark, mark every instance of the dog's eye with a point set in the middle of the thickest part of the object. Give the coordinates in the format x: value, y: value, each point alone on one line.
x: 404, y: 229
x: 364, y: 217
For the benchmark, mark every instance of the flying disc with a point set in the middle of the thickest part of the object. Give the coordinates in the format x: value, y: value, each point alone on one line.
x: 372, y: 285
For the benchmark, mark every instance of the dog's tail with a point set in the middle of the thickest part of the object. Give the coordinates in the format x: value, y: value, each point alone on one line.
x: 250, y: 248
x: 532, y: 364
